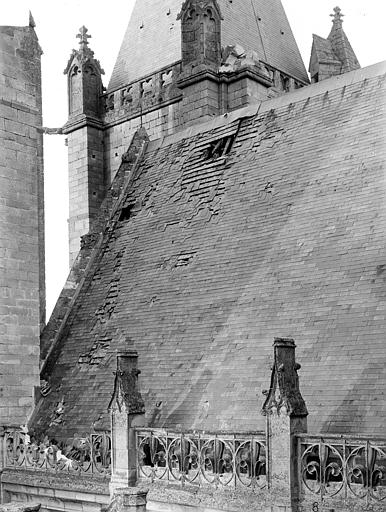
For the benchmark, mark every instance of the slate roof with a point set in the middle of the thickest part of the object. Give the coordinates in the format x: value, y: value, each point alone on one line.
x: 323, y: 48
x: 255, y: 25
x: 285, y: 236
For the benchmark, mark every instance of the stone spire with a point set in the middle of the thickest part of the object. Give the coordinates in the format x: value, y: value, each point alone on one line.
x: 334, y: 55
x: 31, y: 21
x: 153, y: 37
x: 340, y: 43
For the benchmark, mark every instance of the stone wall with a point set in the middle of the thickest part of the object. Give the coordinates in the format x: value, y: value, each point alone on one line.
x: 22, y: 292
x: 86, y: 182
x: 117, y: 137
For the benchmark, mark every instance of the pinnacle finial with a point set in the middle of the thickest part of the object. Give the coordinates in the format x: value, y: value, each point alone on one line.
x: 31, y: 21
x: 338, y: 16
x: 83, y: 36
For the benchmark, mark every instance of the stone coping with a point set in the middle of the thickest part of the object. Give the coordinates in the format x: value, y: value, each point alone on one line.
x: 72, y: 482
x: 16, y: 506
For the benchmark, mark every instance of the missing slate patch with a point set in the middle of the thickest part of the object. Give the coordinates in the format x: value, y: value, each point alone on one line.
x: 220, y: 147
x: 97, y: 353
x: 126, y: 213
x: 184, y: 259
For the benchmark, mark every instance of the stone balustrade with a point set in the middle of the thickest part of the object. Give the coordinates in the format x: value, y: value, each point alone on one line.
x: 201, y: 458
x: 343, y: 467
x: 88, y: 454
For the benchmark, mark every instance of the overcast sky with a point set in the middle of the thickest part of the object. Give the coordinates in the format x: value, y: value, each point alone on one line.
x: 58, y: 22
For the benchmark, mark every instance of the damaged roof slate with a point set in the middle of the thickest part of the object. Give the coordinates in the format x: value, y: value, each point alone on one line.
x: 286, y: 242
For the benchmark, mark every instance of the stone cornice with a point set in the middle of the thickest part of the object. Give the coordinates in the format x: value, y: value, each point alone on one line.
x: 223, y: 77
x: 81, y: 121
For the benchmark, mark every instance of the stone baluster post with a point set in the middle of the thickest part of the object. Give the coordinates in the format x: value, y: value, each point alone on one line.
x: 2, y: 459
x: 286, y: 414
x: 127, y: 412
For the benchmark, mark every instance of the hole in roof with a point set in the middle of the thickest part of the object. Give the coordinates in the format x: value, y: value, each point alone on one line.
x: 126, y: 213
x: 219, y: 147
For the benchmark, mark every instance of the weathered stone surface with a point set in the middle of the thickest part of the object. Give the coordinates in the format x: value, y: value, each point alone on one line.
x: 129, y: 499
x: 126, y: 407
x: 22, y: 273
x: 284, y: 392
x: 20, y: 507
x: 60, y: 481
x: 56, y: 491
x: 126, y: 395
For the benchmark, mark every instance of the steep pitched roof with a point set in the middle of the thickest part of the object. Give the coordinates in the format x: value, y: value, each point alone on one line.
x: 323, y: 49
x: 153, y: 37
x: 213, y: 258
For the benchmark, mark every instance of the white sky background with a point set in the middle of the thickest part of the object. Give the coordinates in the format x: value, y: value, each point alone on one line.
x: 58, y: 22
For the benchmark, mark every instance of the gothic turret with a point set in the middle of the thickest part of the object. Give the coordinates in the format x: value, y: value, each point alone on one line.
x: 201, y: 57
x: 84, y: 80
x: 85, y: 140
x: 334, y: 55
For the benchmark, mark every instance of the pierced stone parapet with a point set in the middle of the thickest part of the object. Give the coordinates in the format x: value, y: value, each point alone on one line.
x: 142, y: 96
x: 341, y: 467
x: 82, y: 455
x: 219, y: 459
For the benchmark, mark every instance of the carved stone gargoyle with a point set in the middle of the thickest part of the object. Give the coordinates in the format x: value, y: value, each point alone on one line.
x: 126, y: 396
x: 284, y: 388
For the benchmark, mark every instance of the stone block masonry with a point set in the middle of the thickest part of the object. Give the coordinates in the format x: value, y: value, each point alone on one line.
x: 22, y: 291
x: 86, y: 182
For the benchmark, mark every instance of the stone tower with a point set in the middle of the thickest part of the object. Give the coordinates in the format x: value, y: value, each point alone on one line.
x: 22, y: 280
x: 85, y: 140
